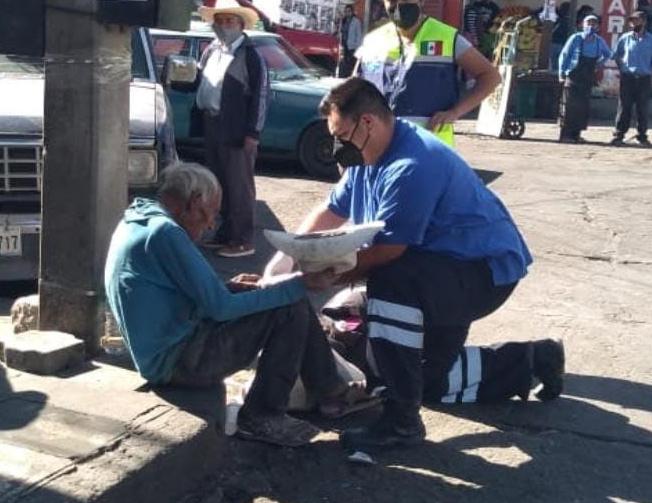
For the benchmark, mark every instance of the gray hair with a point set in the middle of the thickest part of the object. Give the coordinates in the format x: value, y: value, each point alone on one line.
x: 186, y: 179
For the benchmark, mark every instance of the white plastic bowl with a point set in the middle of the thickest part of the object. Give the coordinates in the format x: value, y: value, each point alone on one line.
x: 324, y: 246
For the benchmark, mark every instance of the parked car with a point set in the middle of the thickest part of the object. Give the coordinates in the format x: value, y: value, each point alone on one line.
x: 293, y: 130
x: 151, y: 147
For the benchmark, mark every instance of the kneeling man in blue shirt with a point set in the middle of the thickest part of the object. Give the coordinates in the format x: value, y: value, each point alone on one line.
x: 449, y: 254
x: 183, y: 326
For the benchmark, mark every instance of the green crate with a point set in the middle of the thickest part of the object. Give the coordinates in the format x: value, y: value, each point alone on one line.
x: 526, y: 100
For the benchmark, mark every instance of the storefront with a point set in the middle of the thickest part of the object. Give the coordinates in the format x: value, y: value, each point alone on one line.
x: 479, y: 21
x: 613, y: 15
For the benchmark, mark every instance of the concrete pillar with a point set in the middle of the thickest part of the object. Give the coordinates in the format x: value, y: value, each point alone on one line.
x: 367, y: 17
x: 87, y: 75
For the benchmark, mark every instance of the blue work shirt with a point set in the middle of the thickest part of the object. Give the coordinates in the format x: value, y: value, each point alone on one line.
x: 159, y: 286
x: 578, y: 45
x: 430, y: 199
x: 634, y: 54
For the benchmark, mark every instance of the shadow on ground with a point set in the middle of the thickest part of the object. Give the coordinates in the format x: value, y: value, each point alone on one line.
x: 14, y: 491
x: 229, y: 267
x: 17, y: 409
x: 514, y: 460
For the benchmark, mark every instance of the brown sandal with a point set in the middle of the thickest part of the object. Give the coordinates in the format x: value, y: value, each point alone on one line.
x: 353, y: 399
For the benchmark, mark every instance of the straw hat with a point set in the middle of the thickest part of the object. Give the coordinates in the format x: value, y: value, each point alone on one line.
x: 249, y: 16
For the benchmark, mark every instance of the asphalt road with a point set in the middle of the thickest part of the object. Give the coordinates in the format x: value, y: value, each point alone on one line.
x: 586, y: 213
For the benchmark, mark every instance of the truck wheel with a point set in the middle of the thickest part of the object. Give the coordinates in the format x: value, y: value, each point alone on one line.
x: 316, y: 151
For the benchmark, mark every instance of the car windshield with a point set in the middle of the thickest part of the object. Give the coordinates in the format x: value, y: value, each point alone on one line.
x: 30, y: 65
x: 284, y: 61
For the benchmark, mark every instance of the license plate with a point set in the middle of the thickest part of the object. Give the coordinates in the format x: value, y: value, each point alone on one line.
x: 10, y: 241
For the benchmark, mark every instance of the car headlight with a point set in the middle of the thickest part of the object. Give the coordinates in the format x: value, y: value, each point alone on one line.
x: 142, y: 167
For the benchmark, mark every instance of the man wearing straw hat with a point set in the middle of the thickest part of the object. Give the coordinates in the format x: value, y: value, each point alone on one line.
x: 233, y: 95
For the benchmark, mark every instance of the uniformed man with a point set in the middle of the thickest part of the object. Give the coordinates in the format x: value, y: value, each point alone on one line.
x: 449, y: 254
x: 414, y: 62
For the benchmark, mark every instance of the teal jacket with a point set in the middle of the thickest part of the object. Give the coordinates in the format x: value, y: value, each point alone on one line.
x: 159, y: 286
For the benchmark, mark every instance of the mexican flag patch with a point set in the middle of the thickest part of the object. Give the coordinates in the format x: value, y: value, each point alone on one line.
x: 432, y: 48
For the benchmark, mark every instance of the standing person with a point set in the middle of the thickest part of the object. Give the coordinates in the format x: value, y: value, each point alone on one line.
x: 644, y: 5
x: 414, y: 62
x: 578, y: 61
x: 634, y: 58
x: 233, y: 94
x: 560, y: 34
x: 582, y: 13
x: 378, y: 14
x: 350, y: 40
x: 449, y: 254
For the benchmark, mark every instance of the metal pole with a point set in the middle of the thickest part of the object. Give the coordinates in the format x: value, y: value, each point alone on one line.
x: 86, y: 124
x: 367, y: 17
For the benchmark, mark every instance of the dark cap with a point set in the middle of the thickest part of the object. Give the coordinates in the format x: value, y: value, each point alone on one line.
x: 639, y: 14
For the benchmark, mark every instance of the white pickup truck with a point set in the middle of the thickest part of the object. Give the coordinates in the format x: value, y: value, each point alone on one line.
x: 151, y: 147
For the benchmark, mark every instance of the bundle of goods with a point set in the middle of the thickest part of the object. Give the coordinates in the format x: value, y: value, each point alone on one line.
x: 513, y: 11
x: 529, y: 35
x: 517, y: 38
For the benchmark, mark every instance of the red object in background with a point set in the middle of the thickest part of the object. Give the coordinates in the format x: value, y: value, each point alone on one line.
x: 448, y: 11
x: 320, y: 48
x: 614, y: 20
x: 451, y: 13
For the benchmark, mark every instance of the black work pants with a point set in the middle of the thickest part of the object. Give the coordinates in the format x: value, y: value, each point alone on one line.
x: 419, y: 312
x: 292, y: 342
x: 575, y: 110
x: 634, y: 92
x: 234, y: 168
x: 346, y: 63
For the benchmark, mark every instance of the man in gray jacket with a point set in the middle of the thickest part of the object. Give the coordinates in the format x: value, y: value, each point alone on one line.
x: 233, y: 94
x: 350, y: 40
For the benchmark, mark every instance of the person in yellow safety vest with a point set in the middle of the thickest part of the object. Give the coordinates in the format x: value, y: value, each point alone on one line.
x: 414, y: 60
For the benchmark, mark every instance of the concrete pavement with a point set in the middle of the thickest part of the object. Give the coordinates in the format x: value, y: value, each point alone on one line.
x: 586, y: 213
x: 101, y: 434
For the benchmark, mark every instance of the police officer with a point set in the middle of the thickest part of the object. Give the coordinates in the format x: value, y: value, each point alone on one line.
x: 413, y: 61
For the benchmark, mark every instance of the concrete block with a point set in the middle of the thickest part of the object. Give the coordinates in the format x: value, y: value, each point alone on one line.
x: 43, y: 352
x: 24, y: 313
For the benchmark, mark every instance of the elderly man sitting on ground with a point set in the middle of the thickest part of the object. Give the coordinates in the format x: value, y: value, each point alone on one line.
x: 184, y: 326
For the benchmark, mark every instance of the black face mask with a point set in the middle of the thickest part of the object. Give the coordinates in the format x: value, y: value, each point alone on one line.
x: 639, y: 28
x: 346, y: 154
x: 405, y: 15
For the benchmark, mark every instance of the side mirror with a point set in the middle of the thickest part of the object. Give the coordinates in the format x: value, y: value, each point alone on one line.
x: 179, y: 70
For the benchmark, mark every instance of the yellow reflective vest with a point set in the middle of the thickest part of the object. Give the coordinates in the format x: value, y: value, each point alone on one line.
x: 417, y: 78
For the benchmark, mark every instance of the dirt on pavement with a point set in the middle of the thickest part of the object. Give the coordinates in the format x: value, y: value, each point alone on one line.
x: 586, y: 213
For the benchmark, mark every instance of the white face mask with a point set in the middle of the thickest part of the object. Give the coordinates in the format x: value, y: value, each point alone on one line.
x: 227, y: 35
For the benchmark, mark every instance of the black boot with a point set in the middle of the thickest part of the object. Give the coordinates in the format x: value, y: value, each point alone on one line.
x: 549, y: 360
x: 388, y: 432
